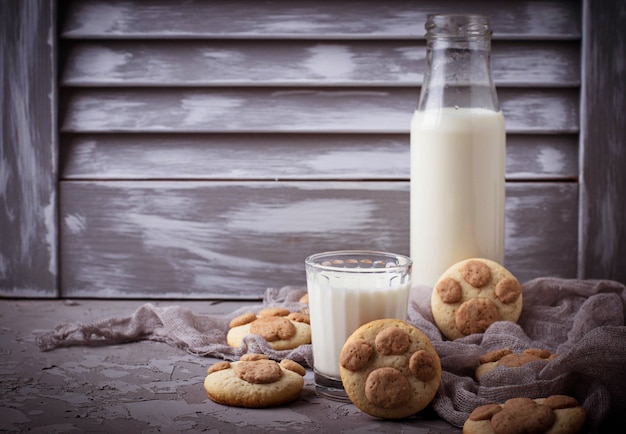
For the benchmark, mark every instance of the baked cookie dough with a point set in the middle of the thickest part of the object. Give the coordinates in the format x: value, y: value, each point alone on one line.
x: 473, y: 294
x: 282, y: 329
x: 506, y: 357
x: 556, y: 414
x: 254, y: 382
x: 389, y: 369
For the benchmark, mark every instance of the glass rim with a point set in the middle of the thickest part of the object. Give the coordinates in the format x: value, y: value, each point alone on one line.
x: 401, y: 261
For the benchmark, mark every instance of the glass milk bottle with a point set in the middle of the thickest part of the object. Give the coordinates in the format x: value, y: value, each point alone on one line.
x: 457, y: 151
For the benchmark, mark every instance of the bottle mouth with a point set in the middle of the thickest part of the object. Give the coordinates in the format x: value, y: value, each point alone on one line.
x: 453, y: 27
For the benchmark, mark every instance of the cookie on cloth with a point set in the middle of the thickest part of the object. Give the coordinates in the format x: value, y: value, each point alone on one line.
x: 556, y: 414
x: 390, y: 369
x: 282, y: 329
x: 473, y: 294
x: 254, y: 382
x: 506, y: 357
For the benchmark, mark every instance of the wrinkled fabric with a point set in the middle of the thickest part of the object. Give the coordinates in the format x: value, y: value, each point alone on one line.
x: 581, y: 320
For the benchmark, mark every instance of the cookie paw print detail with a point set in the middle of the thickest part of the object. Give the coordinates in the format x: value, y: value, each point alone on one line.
x: 556, y: 414
x: 473, y: 294
x: 282, y: 329
x: 389, y: 369
x: 507, y: 358
x: 254, y: 381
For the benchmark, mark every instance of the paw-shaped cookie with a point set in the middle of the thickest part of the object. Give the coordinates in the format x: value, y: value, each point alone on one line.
x: 389, y: 369
x: 506, y: 357
x: 473, y: 294
x: 254, y: 381
x: 556, y: 414
x: 282, y: 329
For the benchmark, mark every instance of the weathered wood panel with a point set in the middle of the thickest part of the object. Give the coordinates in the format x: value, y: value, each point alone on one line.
x: 207, y: 239
x: 337, y: 110
x: 603, y: 184
x: 190, y: 114
x: 287, y: 156
x: 28, y: 149
x: 325, y: 19
x: 301, y: 63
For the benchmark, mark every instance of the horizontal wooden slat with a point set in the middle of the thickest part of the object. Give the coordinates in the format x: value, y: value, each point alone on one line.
x: 336, y: 110
x: 287, y: 156
x: 288, y: 63
x: 309, y: 18
x: 233, y: 240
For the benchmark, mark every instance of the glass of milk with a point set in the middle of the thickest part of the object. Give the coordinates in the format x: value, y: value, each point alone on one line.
x: 346, y: 290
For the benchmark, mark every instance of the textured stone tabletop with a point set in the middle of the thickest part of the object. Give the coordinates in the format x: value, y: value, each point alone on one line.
x: 143, y: 387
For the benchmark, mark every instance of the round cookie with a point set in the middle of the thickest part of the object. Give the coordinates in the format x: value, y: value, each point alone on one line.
x: 556, y: 414
x: 506, y: 357
x: 389, y: 369
x: 282, y: 329
x: 254, y: 382
x: 473, y: 294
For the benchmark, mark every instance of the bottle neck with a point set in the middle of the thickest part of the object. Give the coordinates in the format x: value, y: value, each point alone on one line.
x: 458, y: 64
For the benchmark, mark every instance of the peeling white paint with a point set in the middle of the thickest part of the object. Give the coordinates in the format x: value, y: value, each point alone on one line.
x: 101, y: 18
x: 199, y: 238
x: 50, y: 225
x: 103, y: 63
x: 204, y: 108
x: 93, y: 113
x: 551, y: 160
x: 75, y: 224
x: 318, y: 215
x: 349, y: 163
x: 5, y: 175
x: 330, y: 61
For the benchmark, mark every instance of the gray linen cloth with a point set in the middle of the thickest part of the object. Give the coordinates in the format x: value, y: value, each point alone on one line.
x: 581, y: 320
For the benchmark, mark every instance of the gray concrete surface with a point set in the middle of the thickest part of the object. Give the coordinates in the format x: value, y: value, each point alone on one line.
x: 143, y: 387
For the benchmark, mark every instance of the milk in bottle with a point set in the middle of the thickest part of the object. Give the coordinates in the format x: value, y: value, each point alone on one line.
x: 457, y: 151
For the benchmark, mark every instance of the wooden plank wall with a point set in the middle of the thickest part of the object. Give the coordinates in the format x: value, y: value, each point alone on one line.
x: 208, y: 147
x: 28, y: 149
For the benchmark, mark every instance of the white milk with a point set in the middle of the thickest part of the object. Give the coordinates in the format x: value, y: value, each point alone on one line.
x: 341, y: 304
x: 457, y: 189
